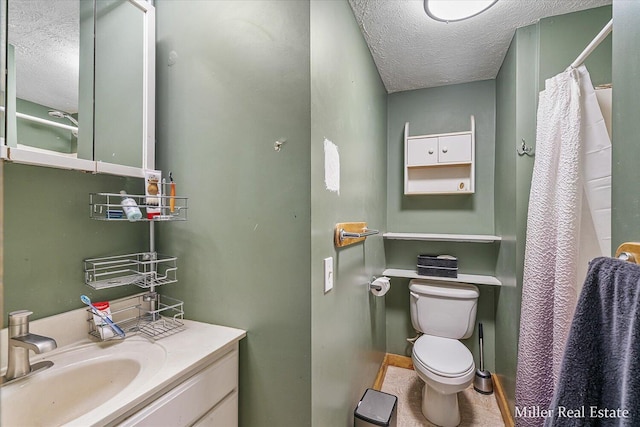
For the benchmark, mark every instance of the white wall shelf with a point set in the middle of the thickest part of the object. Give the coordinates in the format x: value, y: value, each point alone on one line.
x: 439, y: 163
x: 434, y: 237
x: 474, y: 279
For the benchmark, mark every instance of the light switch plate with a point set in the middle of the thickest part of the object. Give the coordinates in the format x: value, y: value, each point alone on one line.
x: 328, y: 274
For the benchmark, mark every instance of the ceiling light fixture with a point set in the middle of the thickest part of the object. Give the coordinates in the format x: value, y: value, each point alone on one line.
x: 456, y: 10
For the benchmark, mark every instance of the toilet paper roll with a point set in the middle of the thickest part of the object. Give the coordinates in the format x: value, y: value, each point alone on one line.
x: 380, y: 286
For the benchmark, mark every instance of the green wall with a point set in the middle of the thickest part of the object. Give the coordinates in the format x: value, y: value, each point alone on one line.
x: 516, y: 93
x: 562, y: 38
x: 537, y: 52
x: 48, y: 232
x: 232, y: 78
x: 249, y: 74
x: 626, y: 126
x: 348, y: 107
x: 440, y: 110
x: 505, y: 218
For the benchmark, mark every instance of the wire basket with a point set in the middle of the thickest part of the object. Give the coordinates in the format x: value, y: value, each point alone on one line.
x: 143, y: 269
x: 151, y: 314
x: 108, y: 207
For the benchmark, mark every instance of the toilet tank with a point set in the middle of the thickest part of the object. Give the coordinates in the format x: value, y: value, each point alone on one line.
x: 442, y: 309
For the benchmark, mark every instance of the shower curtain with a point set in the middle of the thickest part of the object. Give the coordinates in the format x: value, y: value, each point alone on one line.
x: 549, y: 287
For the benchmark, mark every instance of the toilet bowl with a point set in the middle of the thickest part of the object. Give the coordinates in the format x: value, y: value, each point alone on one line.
x: 446, y: 366
x: 443, y: 313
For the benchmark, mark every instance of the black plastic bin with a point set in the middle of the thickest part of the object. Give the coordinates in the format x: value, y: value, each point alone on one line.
x: 376, y: 409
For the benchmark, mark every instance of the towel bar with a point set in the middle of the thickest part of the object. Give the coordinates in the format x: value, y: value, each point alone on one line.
x: 366, y: 232
x: 629, y: 251
x: 348, y: 233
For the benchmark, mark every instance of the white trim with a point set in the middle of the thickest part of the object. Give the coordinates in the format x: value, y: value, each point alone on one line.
x: 121, y: 170
x: 38, y: 158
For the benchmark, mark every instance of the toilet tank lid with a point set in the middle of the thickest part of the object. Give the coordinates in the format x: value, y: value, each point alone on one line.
x: 442, y: 289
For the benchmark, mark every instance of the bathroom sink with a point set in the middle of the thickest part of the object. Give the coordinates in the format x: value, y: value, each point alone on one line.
x: 83, y: 377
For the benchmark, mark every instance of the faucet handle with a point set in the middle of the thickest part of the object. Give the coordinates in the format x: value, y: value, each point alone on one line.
x: 19, y: 317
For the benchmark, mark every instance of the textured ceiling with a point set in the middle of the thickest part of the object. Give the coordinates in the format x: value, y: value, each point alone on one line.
x: 45, y: 35
x: 413, y: 51
x: 410, y: 50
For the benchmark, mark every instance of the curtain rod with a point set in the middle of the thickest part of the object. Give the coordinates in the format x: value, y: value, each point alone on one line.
x: 593, y: 45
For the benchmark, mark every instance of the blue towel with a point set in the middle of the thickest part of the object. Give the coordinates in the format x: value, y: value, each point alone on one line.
x: 599, y: 382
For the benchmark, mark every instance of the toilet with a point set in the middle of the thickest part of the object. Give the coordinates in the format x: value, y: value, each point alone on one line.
x: 444, y: 313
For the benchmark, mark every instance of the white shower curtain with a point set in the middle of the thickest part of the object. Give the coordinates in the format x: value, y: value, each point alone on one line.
x: 553, y: 225
x: 572, y: 148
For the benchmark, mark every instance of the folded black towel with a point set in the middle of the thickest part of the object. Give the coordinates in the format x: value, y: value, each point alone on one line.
x: 599, y: 382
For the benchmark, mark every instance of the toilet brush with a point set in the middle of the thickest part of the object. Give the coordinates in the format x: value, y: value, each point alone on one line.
x: 482, y: 383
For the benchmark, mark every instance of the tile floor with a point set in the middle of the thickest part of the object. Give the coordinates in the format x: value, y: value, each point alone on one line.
x: 475, y: 409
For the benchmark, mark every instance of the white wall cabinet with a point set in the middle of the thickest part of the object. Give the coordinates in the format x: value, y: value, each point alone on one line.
x: 441, y: 163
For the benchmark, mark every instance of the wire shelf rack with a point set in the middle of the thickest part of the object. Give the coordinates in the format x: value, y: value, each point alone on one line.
x: 152, y: 315
x: 108, y: 207
x: 143, y: 269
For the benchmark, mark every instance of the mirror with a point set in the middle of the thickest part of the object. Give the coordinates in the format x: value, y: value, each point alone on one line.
x: 44, y: 68
x: 78, y: 84
x: 3, y: 61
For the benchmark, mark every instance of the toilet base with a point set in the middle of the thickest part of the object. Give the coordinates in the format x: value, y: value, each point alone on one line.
x: 440, y: 409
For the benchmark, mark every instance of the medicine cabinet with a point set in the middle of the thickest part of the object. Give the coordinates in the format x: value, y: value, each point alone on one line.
x: 80, y: 85
x: 440, y: 163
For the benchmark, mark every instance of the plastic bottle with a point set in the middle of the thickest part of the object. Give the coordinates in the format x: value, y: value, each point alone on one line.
x: 101, y: 326
x: 130, y: 207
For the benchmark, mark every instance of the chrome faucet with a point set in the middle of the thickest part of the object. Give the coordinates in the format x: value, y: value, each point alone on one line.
x: 20, y: 342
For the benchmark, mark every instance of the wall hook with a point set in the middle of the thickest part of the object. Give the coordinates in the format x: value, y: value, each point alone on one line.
x: 278, y: 144
x: 524, y: 149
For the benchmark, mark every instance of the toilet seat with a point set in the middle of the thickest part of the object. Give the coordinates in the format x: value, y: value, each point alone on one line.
x: 445, y: 357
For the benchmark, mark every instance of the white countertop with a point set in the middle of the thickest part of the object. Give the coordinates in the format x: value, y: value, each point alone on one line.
x: 186, y: 352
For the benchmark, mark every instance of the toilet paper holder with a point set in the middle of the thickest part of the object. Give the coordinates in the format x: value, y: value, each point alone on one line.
x: 372, y: 285
x: 381, y: 287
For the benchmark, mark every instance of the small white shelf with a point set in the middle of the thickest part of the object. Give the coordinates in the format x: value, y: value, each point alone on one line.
x: 439, y: 163
x: 474, y: 279
x: 433, y: 237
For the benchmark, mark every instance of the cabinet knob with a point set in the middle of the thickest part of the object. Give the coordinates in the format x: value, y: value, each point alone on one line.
x: 430, y: 150
x: 445, y: 149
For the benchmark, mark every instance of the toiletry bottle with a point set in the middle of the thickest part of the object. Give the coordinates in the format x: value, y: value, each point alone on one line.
x: 100, y: 324
x: 130, y: 207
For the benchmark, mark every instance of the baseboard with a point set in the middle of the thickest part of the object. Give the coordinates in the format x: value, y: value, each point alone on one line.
x: 501, y: 398
x: 391, y: 360
x: 377, y: 384
x: 406, y: 362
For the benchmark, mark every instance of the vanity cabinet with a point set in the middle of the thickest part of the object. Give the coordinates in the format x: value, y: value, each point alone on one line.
x: 209, y: 398
x: 439, y: 163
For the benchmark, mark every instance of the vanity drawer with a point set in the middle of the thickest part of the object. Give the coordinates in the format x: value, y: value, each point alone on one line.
x: 192, y: 399
x: 225, y: 413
